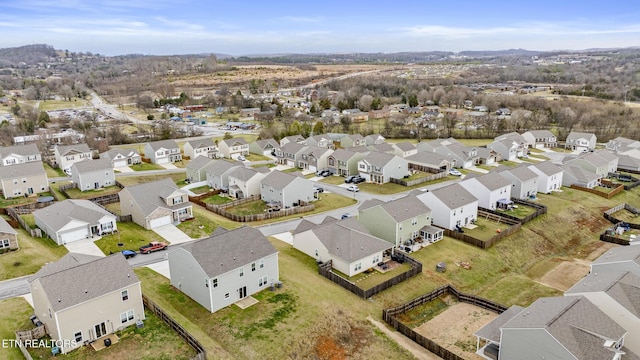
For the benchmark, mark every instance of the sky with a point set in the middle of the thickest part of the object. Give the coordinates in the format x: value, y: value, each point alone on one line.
x: 161, y: 27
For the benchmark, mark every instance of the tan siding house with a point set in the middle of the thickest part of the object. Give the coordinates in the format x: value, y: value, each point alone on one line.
x: 23, y: 180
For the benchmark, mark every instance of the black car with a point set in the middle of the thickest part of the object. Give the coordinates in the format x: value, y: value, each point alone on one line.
x: 350, y: 178
x: 318, y: 189
x: 325, y: 173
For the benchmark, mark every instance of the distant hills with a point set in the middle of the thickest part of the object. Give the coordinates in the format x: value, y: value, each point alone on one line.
x: 28, y: 54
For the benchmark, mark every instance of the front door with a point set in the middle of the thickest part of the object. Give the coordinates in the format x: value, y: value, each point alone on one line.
x: 101, y: 330
x: 96, y: 185
x: 29, y: 191
x: 243, y: 292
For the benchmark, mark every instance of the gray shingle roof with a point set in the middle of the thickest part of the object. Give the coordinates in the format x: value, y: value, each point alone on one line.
x: 69, y: 260
x: 453, y: 196
x: 163, y: 144
x: 243, y: 173
x: 342, y: 154
x: 619, y: 254
x: 574, y: 135
x: 199, y: 163
x: 547, y: 167
x: 19, y: 170
x: 405, y: 146
x: 427, y: 158
x: 201, y: 143
x: 88, y: 166
x: 522, y: 173
x: 493, y: 181
x: 292, y: 148
x: 58, y: 215
x: 579, y: 173
x: 78, y: 148
x: 149, y: 196
x: 491, y: 331
x: 541, y: 133
x: 401, y: 209
x: 24, y: 150
x: 230, y: 250
x: 234, y: 141
x: 379, y: 159
x: 114, y: 152
x: 219, y: 167
x: 349, y: 240
x: 87, y: 281
x: 624, y: 287
x: 278, y: 180
x: 574, y: 322
x: 263, y: 143
x: 6, y: 228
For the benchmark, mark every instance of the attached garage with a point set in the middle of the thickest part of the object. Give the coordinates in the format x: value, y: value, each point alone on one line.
x: 291, y: 163
x: 162, y: 160
x: 154, y: 223
x: 120, y: 163
x: 312, y: 168
x: 72, y: 235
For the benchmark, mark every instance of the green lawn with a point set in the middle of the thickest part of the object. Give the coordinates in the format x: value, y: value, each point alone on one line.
x: 257, y: 157
x: 485, y: 228
x: 135, y: 180
x: 153, y: 341
x: 217, y: 200
x: 30, y: 257
x: 75, y: 193
x: 130, y: 235
x: 368, y: 280
x: 29, y: 219
x: 197, y: 227
x: 46, y: 105
x: 20, y: 200
x: 114, y: 208
x: 200, y: 189
x: 248, y: 208
x: 521, y: 211
x: 333, y: 180
x: 15, y: 316
x: 509, y: 163
x: 51, y: 172
x: 145, y: 166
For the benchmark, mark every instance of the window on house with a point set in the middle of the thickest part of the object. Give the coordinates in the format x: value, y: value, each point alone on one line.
x: 215, y: 283
x: 4, y: 243
x: 15, y: 181
x: 177, y: 200
x: 316, y: 252
x: 241, y: 271
x: 126, y: 316
x: 206, y: 282
x: 414, y: 221
x: 262, y: 281
x: 376, y: 259
x: 261, y: 263
x: 125, y: 295
x: 357, y: 267
x: 24, y: 180
x: 400, y: 226
x: 78, y: 336
x: 253, y: 266
x: 130, y: 315
x: 226, y: 296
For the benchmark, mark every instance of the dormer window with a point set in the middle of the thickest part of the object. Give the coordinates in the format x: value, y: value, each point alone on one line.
x: 177, y: 200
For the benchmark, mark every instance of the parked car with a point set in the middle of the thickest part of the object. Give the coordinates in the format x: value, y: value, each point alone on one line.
x: 128, y: 253
x: 454, y: 172
x: 358, y: 179
x: 319, y: 172
x: 350, y: 178
x: 153, y: 246
x: 67, y: 171
x: 318, y: 189
x: 326, y: 173
x: 353, y: 188
x: 241, y: 158
x: 345, y: 216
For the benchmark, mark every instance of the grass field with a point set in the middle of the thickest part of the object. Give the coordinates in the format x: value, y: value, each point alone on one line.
x: 135, y: 180
x: 75, y: 193
x: 33, y: 253
x: 197, y: 227
x: 130, y: 235
x: 145, y: 166
x: 216, y: 200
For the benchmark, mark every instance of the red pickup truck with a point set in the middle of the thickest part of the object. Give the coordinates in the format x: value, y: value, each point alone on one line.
x: 153, y: 246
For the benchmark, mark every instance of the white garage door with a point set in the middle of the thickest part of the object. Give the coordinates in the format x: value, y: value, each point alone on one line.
x: 72, y: 235
x: 166, y: 220
x: 291, y: 163
x: 162, y: 160
x: 120, y: 163
x: 312, y: 168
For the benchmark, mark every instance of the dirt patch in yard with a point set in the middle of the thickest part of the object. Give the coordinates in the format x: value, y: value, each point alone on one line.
x: 453, y: 329
x: 565, y: 274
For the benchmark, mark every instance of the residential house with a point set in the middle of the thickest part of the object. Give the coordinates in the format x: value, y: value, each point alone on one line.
x: 290, y: 153
x: 380, y: 168
x: 245, y: 182
x: 66, y: 155
x: 404, y: 149
x: 503, y: 112
x: 155, y: 203
x: 81, y: 298
x: 383, y: 148
x: 590, y: 162
x: 93, y: 174
x: 203, y: 147
x: 580, y: 141
x: 508, y: 149
x: 122, y: 157
x: 23, y: 180
x: 549, y: 176
x: 217, y: 173
x: 618, y: 260
x: 285, y: 189
x: 488, y: 156
x: 627, y: 162
x: 379, y: 114
x: 399, y: 221
x: 430, y: 146
x: 196, y: 168
x: 622, y: 144
x: 320, y: 140
x: 19, y: 154
x: 575, y: 175
x: 614, y: 294
x: 162, y: 152
x: 540, y: 139
x: 297, y: 139
x: 8, y: 237
x: 569, y: 327
x: 314, y: 158
x: 428, y: 162
x: 459, y: 155
x: 264, y: 147
x: 492, y: 189
x: 355, y: 115
x: 374, y: 139
x: 249, y: 112
x: 71, y: 220
x: 523, y: 180
x: 451, y: 206
x: 351, y: 140
x: 611, y: 158
x: 232, y: 148
x: 227, y: 267
x: 518, y: 139
x: 346, y: 243
x: 344, y: 162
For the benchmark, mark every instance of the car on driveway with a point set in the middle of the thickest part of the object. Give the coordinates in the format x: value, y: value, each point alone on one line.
x: 345, y: 216
x: 325, y: 173
x: 353, y: 188
x: 241, y: 158
x: 318, y: 189
x: 153, y: 246
x: 358, y: 179
x: 454, y: 172
x: 128, y: 253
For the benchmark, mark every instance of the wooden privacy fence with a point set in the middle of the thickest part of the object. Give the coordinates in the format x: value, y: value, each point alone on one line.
x: 390, y: 316
x: 325, y: 269
x: 15, y: 215
x: 606, y: 195
x: 177, y: 328
x: 198, y: 198
x: 608, y: 214
x: 33, y: 334
x: 414, y: 182
x: 221, y: 210
x: 485, y: 244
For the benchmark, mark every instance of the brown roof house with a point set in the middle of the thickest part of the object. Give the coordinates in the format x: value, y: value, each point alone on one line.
x: 82, y: 298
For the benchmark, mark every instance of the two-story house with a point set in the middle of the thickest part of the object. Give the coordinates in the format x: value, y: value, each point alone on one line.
x: 233, y: 148
x: 351, y: 140
x: 374, y: 139
x: 404, y: 149
x: 344, y: 162
x: 540, y: 139
x: 492, y: 189
x: 66, y: 155
x: 518, y: 139
x: 290, y: 153
x: 196, y: 168
x: 8, y: 237
x: 155, y: 203
x: 429, y: 162
x: 451, y: 206
x: 314, y: 158
x: 19, y: 154
x: 217, y: 173
x: 523, y: 180
x: 285, y: 189
x: 227, y: 267
x: 508, y: 149
x: 93, y: 174
x: 296, y: 139
x: 576, y: 175
x: 264, y: 147
x: 81, y: 298
x: 462, y: 156
x: 400, y: 222
x: 580, y: 141
x: 122, y: 157
x: 163, y: 152
x: 590, y: 162
x: 23, y: 180
x: 319, y: 140
x: 245, y: 182
x: 380, y: 168
x: 203, y: 147
x: 549, y: 176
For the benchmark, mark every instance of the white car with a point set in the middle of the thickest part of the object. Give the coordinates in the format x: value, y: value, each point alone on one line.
x: 454, y: 172
x: 67, y: 171
x: 241, y: 158
x: 353, y: 188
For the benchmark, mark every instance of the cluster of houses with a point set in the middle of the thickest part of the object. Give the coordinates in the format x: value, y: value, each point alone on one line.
x: 597, y: 318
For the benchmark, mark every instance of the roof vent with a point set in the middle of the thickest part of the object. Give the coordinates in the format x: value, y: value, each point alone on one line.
x: 86, y: 291
x: 59, y: 300
x: 234, y: 258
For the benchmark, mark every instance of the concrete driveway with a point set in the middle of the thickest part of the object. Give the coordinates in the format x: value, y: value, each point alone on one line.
x: 124, y: 169
x: 169, y: 166
x: 84, y: 246
x: 161, y: 267
x: 172, y: 234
